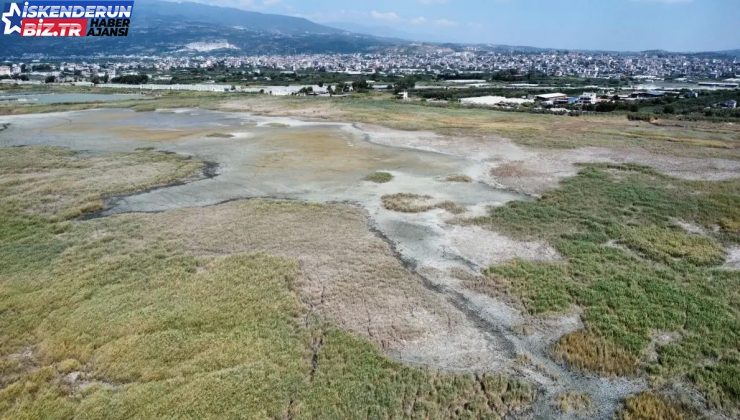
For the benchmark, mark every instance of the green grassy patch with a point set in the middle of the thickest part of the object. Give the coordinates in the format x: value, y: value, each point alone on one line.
x: 669, y: 244
x: 220, y: 135
x: 633, y: 272
x: 353, y: 379
x: 379, y: 177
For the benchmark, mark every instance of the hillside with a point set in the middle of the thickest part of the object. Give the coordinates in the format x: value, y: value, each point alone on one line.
x: 161, y: 27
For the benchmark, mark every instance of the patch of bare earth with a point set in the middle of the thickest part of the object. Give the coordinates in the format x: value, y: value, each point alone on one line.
x: 659, y: 339
x: 484, y: 247
x: 543, y: 170
x: 733, y: 258
x: 12, y: 366
x: 690, y: 227
x: 278, y: 107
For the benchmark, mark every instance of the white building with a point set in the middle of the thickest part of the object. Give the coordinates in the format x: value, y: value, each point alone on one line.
x: 551, y: 96
x: 494, y: 100
x: 4, y: 71
x: 587, y: 98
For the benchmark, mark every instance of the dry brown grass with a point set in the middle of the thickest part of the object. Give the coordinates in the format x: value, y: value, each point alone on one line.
x: 648, y: 406
x: 408, y: 203
x: 38, y: 179
x: 574, y: 402
x: 220, y: 135
x: 415, y: 203
x: 459, y: 178
x: 451, y: 207
x: 681, y: 138
x: 587, y: 351
x: 149, y: 103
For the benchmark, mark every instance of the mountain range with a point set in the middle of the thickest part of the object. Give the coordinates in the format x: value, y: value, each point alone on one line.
x: 163, y: 27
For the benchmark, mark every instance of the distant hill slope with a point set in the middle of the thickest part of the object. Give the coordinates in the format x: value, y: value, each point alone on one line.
x: 169, y: 28
x: 228, y: 16
x: 160, y: 27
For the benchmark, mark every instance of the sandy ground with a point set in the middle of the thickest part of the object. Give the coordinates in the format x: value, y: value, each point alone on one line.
x: 484, y: 248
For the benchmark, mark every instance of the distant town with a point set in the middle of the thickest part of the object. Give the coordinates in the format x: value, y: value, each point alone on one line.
x: 433, y: 61
x: 553, y: 81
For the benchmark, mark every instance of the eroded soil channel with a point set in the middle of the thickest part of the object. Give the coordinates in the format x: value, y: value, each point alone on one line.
x: 419, y: 312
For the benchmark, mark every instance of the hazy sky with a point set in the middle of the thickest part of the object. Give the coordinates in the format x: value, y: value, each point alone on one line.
x: 677, y: 25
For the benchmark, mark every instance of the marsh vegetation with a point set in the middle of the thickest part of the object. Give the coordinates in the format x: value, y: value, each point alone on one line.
x: 105, y: 318
x: 634, y: 271
x: 417, y: 203
x: 458, y: 178
x: 379, y: 177
x: 148, y: 315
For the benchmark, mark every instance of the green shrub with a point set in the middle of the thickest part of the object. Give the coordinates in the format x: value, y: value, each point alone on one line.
x: 379, y: 177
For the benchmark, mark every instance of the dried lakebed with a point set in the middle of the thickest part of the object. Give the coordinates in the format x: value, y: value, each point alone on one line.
x: 426, y: 316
